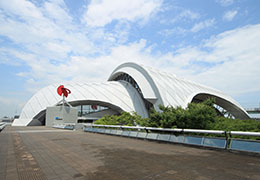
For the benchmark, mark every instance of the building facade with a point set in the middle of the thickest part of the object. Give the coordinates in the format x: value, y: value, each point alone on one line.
x: 132, y: 88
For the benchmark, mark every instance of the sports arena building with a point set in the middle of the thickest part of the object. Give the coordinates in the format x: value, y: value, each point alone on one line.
x: 132, y: 88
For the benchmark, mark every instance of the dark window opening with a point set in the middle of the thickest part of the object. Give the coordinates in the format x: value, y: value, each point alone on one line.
x: 129, y: 79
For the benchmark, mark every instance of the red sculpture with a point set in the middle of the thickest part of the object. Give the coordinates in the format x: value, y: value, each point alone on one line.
x: 63, y: 91
x: 94, y: 107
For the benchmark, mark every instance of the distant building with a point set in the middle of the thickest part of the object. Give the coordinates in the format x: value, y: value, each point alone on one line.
x: 132, y: 88
x: 6, y: 119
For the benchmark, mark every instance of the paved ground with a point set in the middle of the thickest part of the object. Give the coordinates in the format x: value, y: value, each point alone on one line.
x: 45, y: 153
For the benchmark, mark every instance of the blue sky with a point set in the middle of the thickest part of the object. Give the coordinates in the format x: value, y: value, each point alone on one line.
x: 213, y: 42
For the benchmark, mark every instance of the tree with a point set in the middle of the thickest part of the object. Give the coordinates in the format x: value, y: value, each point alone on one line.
x: 196, y: 116
x: 108, y: 120
x: 125, y: 119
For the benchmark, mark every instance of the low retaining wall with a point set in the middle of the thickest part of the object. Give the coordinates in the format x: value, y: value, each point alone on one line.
x: 183, y: 136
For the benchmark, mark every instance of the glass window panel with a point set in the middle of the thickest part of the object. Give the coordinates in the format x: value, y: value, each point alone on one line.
x: 113, y: 131
x: 151, y: 136
x: 101, y: 130
x: 108, y: 131
x: 94, y: 129
x: 119, y: 132
x: 125, y: 133
x: 141, y: 135
x: 87, y: 129
x: 97, y: 130
x: 245, y: 145
x: 164, y: 137
x: 86, y: 109
x: 215, y: 142
x: 178, y: 139
x: 192, y: 140
x: 69, y: 127
x: 133, y: 133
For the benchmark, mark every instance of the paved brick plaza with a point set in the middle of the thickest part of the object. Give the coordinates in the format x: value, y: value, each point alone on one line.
x: 46, y: 153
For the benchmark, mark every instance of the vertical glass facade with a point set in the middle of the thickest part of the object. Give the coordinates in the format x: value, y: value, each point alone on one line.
x: 87, y: 109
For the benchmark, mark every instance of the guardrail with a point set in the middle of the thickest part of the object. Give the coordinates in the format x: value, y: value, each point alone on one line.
x: 2, y: 126
x: 242, y: 144
x: 197, y: 137
x: 69, y: 126
x: 252, y: 109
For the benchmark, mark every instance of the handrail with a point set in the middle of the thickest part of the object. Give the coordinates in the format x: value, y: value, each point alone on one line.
x: 183, y: 136
x: 132, y: 127
x: 159, y: 129
x: 245, y: 133
x: 64, y: 126
x: 2, y: 126
x: 73, y: 124
x: 116, y: 126
x: 97, y: 125
x: 164, y: 129
x: 202, y: 131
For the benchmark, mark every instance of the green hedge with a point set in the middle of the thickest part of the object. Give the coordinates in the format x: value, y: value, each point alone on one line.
x: 195, y: 116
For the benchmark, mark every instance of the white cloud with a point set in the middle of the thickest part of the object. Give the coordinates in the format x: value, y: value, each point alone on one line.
x: 202, y: 25
x: 189, y: 14
x: 226, y: 54
x: 10, y: 106
x: 229, y: 15
x: 234, y: 56
x: 80, y: 68
x: 57, y: 11
x: 182, y: 31
x: 100, y: 13
x: 231, y: 61
x: 22, y: 9
x: 35, y: 27
x: 177, y: 30
x: 178, y: 14
x: 48, y: 30
x: 56, y: 50
x: 225, y: 2
x: 53, y: 49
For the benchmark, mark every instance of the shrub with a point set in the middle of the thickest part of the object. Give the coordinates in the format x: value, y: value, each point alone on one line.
x: 195, y: 116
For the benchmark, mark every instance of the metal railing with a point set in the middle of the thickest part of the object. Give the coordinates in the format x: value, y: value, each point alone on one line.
x: 69, y: 126
x: 2, y: 126
x: 253, y: 110
x: 244, y: 144
x: 198, y: 137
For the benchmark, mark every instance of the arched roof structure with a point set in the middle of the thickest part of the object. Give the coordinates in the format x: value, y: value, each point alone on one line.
x: 119, y: 96
x: 166, y: 89
x: 131, y: 87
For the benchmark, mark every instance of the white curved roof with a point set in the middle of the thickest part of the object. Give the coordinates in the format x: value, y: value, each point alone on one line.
x: 166, y: 89
x: 118, y: 95
x: 156, y: 87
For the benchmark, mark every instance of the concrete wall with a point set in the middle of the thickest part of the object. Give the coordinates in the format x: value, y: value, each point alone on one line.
x: 61, y: 115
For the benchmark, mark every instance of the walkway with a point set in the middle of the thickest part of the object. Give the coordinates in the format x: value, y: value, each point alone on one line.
x: 46, y: 153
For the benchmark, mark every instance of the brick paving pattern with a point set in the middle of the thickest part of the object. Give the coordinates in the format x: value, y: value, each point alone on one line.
x: 45, y: 153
